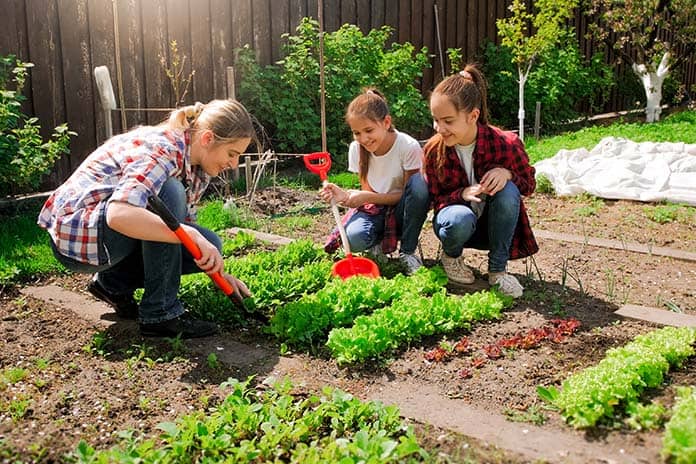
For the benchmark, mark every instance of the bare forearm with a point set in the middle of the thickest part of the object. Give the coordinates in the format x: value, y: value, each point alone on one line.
x: 138, y: 223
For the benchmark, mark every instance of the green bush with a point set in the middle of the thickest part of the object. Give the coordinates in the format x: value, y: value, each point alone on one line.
x: 285, y: 97
x: 24, y: 155
x: 563, y: 81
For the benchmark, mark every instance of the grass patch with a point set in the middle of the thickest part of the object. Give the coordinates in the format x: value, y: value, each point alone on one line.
x: 677, y: 127
x: 25, y: 250
x: 671, y: 212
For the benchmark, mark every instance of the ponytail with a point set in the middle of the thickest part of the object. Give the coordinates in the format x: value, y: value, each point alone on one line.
x: 183, y: 118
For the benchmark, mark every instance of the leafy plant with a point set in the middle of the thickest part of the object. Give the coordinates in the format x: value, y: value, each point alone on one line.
x: 285, y: 96
x: 679, y: 441
x: 24, y: 155
x: 615, y: 384
x: 256, y: 426
x: 411, y: 318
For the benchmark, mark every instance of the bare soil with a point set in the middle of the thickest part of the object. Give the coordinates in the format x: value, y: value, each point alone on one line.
x: 136, y: 383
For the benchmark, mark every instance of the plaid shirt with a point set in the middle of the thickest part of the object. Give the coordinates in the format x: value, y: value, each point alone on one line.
x: 129, y: 167
x: 494, y: 148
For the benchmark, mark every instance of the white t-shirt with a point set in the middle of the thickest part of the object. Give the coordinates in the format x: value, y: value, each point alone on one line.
x: 386, y: 172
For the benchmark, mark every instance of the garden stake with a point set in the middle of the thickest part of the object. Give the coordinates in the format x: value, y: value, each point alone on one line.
x: 159, y: 208
x: 320, y: 163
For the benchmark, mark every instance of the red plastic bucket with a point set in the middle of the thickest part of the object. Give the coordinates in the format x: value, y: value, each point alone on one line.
x: 353, y: 266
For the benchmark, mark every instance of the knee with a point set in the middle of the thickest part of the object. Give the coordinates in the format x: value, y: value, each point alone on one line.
x: 417, y: 188
x: 173, y: 194
x: 508, y: 199
x: 458, y: 226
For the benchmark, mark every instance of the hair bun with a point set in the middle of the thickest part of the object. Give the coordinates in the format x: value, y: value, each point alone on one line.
x: 192, y: 111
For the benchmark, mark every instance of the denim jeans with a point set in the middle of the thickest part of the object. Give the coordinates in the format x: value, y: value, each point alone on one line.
x: 457, y: 227
x: 155, y: 266
x: 365, y: 230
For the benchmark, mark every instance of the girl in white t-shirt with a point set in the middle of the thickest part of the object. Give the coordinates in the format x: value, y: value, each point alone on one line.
x: 393, y: 198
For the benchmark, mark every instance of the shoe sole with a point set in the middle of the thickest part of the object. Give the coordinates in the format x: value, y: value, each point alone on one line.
x: 96, y: 293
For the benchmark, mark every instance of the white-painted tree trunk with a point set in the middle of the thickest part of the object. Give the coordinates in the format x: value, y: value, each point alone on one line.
x: 520, y: 112
x: 652, y: 84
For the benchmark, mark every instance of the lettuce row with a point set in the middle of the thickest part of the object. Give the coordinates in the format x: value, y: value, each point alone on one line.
x: 273, y: 426
x: 616, y: 382
x: 679, y: 440
x: 308, y: 320
x: 411, y: 318
x: 273, y: 277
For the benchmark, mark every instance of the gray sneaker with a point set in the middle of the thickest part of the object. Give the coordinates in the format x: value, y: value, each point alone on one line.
x: 411, y: 261
x: 507, y: 284
x: 456, y: 270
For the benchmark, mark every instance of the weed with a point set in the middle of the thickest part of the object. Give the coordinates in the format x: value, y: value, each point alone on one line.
x: 296, y: 223
x: 213, y: 362
x: 670, y: 212
x: 13, y: 375
x: 544, y: 185
x: 19, y: 407
x: 591, y: 209
x: 98, y: 345
x: 41, y: 363
x: 533, y: 414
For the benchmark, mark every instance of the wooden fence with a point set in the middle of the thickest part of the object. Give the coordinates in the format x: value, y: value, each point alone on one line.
x: 66, y: 39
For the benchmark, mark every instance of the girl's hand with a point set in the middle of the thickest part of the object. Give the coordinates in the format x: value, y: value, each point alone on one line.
x: 238, y: 286
x: 333, y: 192
x: 472, y: 192
x: 210, y: 261
x: 494, y: 180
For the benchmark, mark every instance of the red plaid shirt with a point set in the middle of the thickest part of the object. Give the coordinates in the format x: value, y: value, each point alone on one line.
x: 494, y: 148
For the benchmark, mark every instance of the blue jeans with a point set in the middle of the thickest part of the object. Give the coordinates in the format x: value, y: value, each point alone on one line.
x: 365, y: 230
x: 155, y: 266
x: 457, y: 227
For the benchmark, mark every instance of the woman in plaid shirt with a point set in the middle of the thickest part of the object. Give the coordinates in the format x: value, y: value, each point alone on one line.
x: 476, y: 176
x: 99, y: 223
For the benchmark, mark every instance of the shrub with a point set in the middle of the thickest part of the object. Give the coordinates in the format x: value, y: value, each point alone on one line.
x: 285, y: 97
x: 24, y: 155
x: 563, y: 82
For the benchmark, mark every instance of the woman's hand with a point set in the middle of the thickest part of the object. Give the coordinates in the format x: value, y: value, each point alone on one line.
x: 210, y: 261
x: 494, y: 180
x: 238, y: 286
x: 472, y: 193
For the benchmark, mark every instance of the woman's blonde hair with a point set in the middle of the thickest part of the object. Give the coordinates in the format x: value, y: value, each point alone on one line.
x: 227, y: 119
x: 371, y: 105
x: 466, y: 90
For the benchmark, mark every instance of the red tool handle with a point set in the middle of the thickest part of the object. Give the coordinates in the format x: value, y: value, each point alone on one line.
x: 192, y: 248
x: 318, y: 163
x: 163, y: 212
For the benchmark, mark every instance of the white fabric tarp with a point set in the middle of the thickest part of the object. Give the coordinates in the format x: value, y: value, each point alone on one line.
x: 622, y: 169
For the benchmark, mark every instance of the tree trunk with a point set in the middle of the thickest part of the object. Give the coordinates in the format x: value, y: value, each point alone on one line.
x: 652, y: 84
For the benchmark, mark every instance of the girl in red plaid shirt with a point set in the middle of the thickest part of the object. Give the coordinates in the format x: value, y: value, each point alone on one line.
x: 476, y: 176
x: 99, y: 223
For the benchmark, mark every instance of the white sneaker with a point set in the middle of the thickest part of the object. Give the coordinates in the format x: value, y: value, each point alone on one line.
x: 456, y: 270
x: 507, y: 284
x: 411, y: 261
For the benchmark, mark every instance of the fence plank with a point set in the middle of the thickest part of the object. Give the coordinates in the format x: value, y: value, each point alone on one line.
x: 77, y: 77
x: 429, y: 39
x: 297, y: 10
x: 102, y: 50
x: 158, y: 92
x: 221, y: 46
x: 261, y: 28
x: 377, y: 14
x: 201, y: 50
x: 15, y: 41
x: 348, y: 13
x: 363, y: 11
x: 133, y: 71
x: 280, y: 24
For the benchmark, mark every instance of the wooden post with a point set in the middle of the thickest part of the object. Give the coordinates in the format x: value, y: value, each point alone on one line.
x: 231, y: 93
x: 537, y: 120
x: 247, y: 173
x: 229, y: 73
